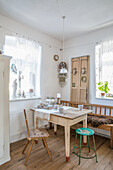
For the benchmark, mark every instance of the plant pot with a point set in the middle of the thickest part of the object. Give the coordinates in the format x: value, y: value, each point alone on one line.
x: 102, y: 94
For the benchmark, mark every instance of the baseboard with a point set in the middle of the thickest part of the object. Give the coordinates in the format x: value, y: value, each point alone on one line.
x: 22, y: 135
x: 17, y: 137
x: 4, y: 160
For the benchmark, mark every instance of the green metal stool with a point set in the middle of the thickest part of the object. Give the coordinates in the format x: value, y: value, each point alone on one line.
x: 85, y: 132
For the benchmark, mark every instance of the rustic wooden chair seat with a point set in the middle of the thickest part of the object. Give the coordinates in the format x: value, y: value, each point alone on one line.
x: 32, y: 135
x: 38, y: 133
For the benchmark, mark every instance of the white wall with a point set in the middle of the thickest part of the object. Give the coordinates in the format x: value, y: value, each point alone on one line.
x: 85, y: 45
x: 49, y: 79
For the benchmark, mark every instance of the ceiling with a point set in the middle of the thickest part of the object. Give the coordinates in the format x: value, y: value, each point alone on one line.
x: 82, y: 16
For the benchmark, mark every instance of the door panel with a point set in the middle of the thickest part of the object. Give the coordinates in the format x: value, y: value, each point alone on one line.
x: 80, y: 79
x: 74, y: 80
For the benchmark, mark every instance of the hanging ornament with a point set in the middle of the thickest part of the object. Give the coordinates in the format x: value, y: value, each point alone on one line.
x: 63, y: 66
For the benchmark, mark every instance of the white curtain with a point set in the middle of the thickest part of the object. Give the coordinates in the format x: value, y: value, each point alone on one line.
x: 106, y: 46
x: 104, y: 63
x: 26, y: 56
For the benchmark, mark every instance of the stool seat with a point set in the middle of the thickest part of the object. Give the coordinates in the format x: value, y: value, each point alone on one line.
x: 84, y: 131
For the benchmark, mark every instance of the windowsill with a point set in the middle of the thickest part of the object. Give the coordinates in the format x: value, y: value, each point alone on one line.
x: 105, y: 98
x: 24, y: 99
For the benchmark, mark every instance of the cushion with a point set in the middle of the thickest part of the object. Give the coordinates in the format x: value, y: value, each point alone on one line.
x: 98, y: 120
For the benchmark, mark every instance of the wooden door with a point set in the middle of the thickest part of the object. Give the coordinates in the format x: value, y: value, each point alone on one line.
x: 80, y: 79
x: 74, y: 80
x: 84, y: 79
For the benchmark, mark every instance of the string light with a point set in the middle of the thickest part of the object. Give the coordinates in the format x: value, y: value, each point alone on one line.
x: 30, y: 38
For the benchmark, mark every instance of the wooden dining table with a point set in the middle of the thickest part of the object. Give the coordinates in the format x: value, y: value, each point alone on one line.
x: 68, y: 118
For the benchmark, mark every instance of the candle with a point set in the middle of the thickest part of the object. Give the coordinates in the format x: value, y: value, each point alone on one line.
x: 31, y: 90
x: 58, y: 95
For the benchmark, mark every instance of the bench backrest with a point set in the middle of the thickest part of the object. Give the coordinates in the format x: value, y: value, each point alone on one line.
x: 98, y: 110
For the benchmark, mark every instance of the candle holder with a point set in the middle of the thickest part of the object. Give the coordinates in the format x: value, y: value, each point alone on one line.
x: 58, y: 98
x: 58, y: 101
x: 31, y: 92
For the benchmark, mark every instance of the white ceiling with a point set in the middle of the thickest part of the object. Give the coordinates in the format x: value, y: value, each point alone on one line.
x: 82, y: 16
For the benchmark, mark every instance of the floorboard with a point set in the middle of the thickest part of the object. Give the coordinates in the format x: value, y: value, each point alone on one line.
x: 39, y: 159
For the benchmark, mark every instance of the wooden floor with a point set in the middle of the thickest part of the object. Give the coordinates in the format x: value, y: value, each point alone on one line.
x: 39, y: 158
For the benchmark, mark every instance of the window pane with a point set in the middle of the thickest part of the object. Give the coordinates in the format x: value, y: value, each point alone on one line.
x: 24, y: 66
x: 104, y: 66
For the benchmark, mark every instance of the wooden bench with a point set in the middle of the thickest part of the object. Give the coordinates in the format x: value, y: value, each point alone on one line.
x: 98, y: 110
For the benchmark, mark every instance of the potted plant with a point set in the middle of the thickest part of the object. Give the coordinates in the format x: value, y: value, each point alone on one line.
x: 103, y: 87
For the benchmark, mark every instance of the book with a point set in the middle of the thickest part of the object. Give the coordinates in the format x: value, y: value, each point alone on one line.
x: 84, y: 131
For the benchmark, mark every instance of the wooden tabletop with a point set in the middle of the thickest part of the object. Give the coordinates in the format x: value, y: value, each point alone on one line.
x: 69, y: 112
x: 72, y: 113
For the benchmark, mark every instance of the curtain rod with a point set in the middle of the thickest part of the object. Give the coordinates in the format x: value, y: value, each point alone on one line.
x: 30, y: 38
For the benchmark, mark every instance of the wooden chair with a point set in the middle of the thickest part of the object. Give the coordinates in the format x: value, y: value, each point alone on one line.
x: 32, y: 135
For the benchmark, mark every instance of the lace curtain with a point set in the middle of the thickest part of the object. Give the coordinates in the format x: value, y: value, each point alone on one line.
x: 106, y: 46
x: 26, y: 56
x: 104, y: 64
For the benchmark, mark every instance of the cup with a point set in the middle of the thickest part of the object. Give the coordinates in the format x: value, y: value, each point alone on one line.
x: 55, y: 107
x: 80, y: 107
x: 61, y: 109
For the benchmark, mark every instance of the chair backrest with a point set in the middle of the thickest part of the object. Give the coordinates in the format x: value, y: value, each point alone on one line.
x: 28, y: 132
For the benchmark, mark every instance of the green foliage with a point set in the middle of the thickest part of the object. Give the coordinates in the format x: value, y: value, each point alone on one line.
x: 103, y: 86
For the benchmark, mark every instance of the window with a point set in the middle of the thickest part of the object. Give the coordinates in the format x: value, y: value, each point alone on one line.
x: 24, y: 67
x: 104, y: 68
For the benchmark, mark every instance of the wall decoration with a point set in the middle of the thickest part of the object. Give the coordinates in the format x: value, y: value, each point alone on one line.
x: 23, y: 94
x: 62, y: 75
x: 13, y: 68
x: 74, y: 71
x: 61, y: 79
x: 15, y: 88
x: 83, y: 70
x: 62, y: 65
x: 56, y: 57
x: 84, y: 78
x: 73, y: 84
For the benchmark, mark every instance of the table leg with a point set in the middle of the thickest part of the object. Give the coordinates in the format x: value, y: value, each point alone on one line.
x: 36, y: 126
x: 85, y: 126
x: 67, y: 142
x: 55, y: 129
x: 111, y: 137
x: 50, y: 125
x: 35, y: 122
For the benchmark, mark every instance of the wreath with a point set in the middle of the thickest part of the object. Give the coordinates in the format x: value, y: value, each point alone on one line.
x: 84, y: 78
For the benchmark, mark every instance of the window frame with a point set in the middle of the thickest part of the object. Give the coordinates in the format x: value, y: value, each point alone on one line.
x: 34, y: 97
x: 96, y: 97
